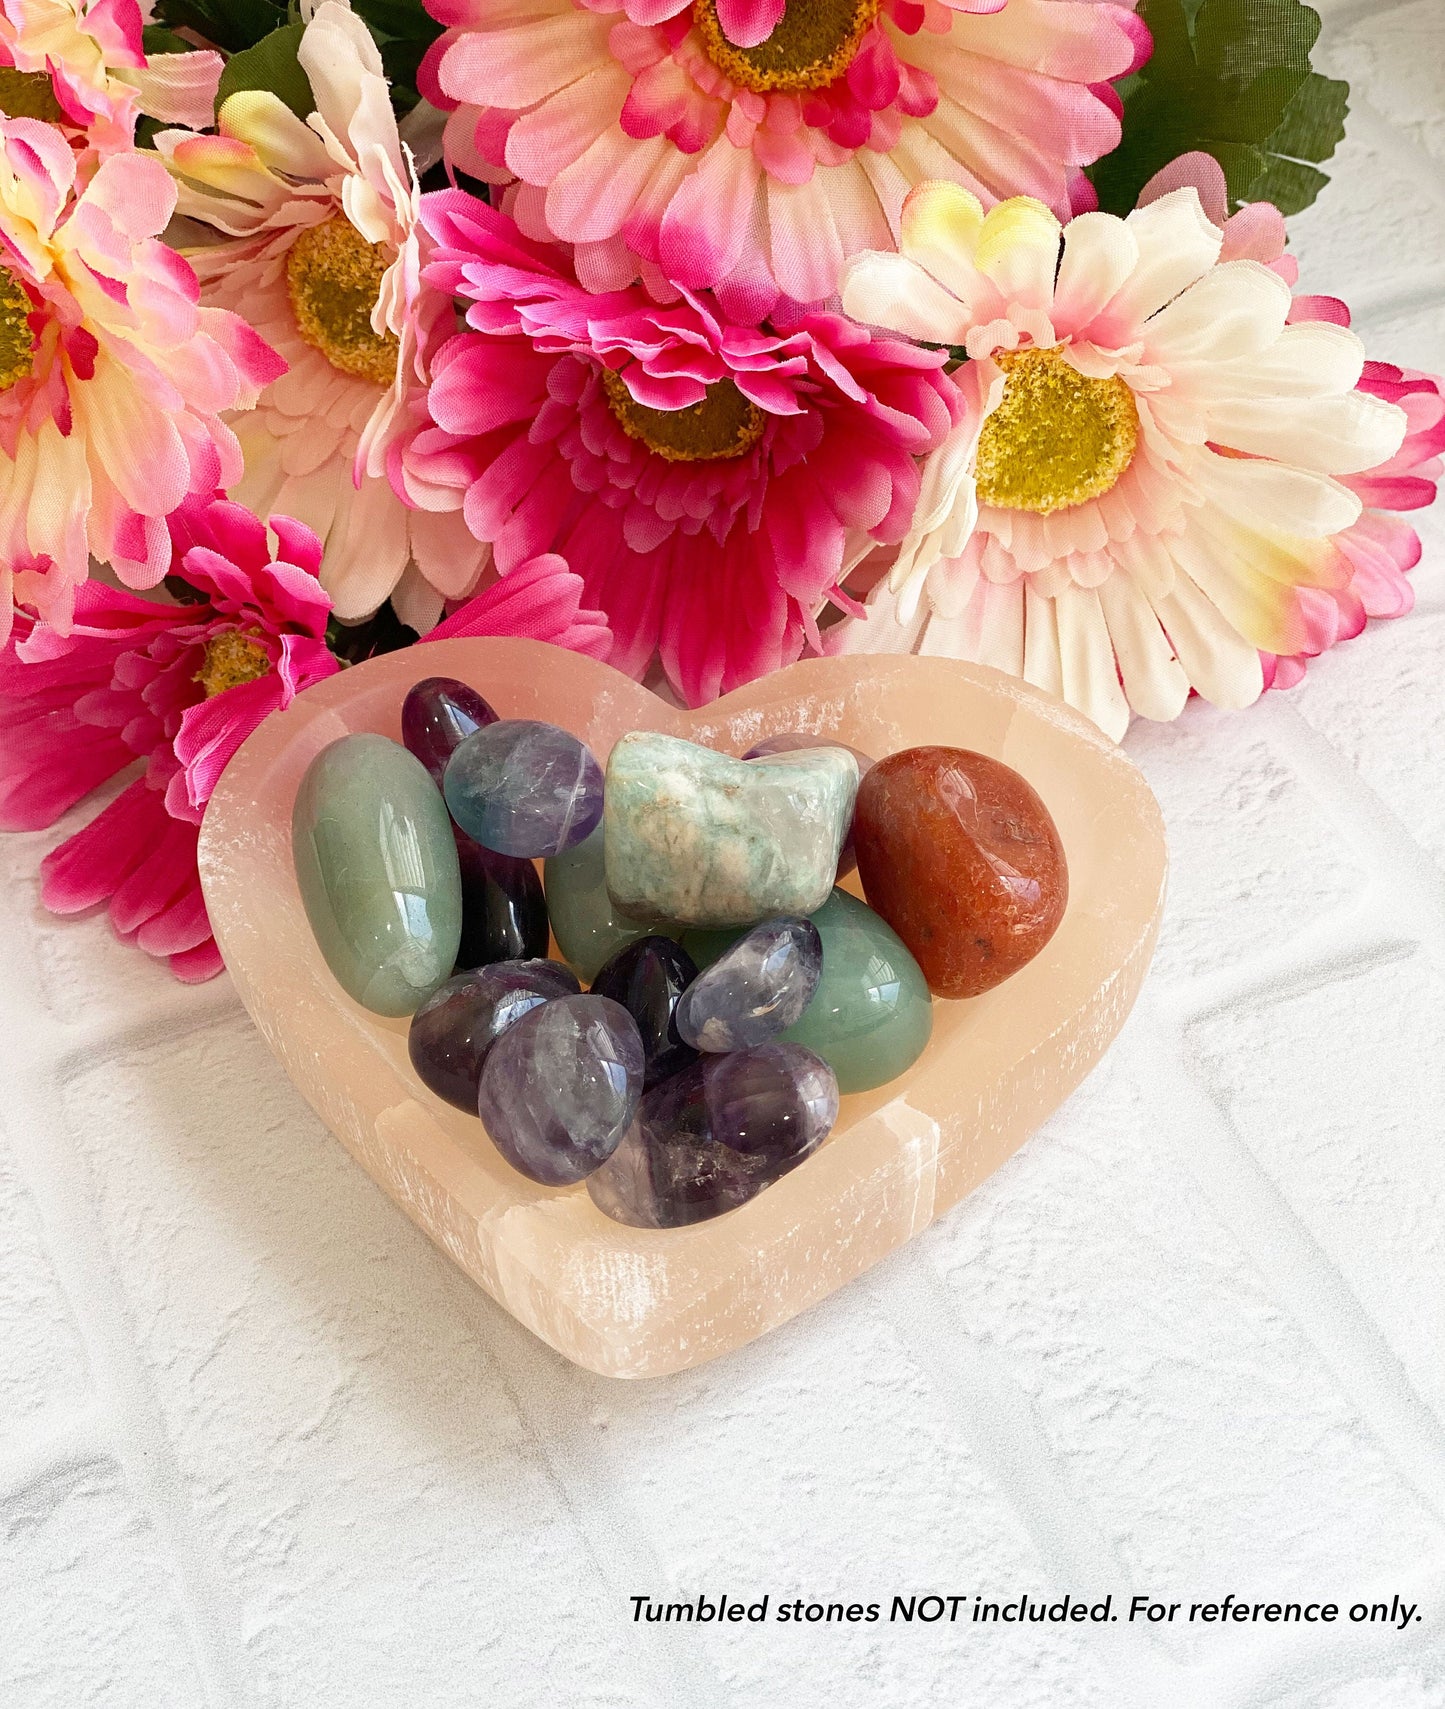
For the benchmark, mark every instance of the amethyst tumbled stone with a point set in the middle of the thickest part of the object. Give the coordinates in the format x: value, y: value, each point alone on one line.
x: 524, y: 788
x: 756, y: 989
x: 716, y: 1135
x: 504, y: 913
x: 454, y: 1029
x: 648, y: 978
x: 435, y: 717
x: 560, y: 1087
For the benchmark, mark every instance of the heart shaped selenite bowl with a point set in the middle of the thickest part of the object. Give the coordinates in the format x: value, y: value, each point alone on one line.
x: 632, y: 1302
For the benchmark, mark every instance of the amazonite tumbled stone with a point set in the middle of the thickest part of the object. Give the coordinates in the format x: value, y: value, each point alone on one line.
x: 376, y: 863
x: 588, y: 926
x: 708, y: 840
x: 872, y: 1014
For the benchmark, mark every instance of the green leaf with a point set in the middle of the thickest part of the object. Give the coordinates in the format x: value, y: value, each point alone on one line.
x: 1230, y: 78
x: 230, y: 24
x: 271, y: 64
x: 157, y: 39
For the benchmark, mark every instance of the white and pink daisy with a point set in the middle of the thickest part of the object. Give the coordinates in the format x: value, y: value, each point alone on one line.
x: 113, y: 379
x: 1160, y: 481
x: 709, y: 479
x: 81, y: 64
x: 320, y: 252
x: 755, y: 144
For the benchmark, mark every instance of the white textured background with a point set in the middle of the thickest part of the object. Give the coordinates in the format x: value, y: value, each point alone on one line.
x: 261, y: 1448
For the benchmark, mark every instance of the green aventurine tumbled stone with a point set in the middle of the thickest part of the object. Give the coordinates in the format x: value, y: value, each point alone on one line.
x: 709, y: 840
x: 585, y: 922
x: 376, y: 863
x: 872, y: 1014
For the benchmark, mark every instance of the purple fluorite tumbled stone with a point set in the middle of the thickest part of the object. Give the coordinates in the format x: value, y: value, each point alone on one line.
x: 524, y: 788
x: 756, y: 989
x: 454, y: 1029
x: 560, y: 1087
x: 648, y: 978
x: 504, y: 913
x: 716, y: 1135
x: 435, y: 717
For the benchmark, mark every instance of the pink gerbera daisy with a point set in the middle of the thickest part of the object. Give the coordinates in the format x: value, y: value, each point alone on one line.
x: 761, y: 142
x: 112, y: 378
x: 82, y: 64
x: 709, y: 479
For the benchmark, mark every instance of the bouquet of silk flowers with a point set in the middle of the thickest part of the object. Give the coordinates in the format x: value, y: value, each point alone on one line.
x: 696, y: 335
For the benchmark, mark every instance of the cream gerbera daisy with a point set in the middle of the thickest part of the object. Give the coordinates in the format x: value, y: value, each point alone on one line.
x: 1152, y: 485
x: 320, y: 251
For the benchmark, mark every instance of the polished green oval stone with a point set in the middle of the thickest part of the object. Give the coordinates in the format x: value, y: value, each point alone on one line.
x: 377, y: 866
x: 872, y: 1013
x: 587, y: 924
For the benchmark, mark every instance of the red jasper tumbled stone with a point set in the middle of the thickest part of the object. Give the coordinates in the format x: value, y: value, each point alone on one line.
x: 958, y: 853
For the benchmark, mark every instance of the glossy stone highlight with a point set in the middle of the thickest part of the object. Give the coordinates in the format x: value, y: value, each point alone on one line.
x: 377, y: 869
x: 524, y: 788
x: 648, y: 978
x: 704, y: 839
x: 961, y: 857
x: 790, y: 741
x: 871, y: 1016
x: 716, y: 1135
x: 504, y: 913
x: 436, y: 716
x: 560, y: 1086
x: 587, y: 923
x: 458, y: 1024
x: 755, y: 989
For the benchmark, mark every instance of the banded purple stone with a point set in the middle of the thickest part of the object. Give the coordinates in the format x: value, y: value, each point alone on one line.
x: 754, y: 990
x: 524, y: 788
x: 715, y: 1135
x: 454, y: 1029
x: 560, y: 1087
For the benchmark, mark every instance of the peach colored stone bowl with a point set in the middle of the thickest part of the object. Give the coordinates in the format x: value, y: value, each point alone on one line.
x: 638, y: 1303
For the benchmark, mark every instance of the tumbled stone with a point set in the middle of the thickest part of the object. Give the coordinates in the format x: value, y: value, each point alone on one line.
x: 648, y: 978
x: 960, y: 856
x: 704, y: 839
x: 871, y: 1016
x: 790, y: 741
x: 587, y: 923
x: 504, y: 914
x: 755, y: 989
x: 459, y: 1023
x: 377, y: 869
x: 715, y: 1135
x: 560, y: 1086
x: 436, y: 715
x: 524, y: 788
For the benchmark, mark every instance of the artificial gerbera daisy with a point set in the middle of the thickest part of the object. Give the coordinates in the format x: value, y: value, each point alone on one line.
x: 321, y: 254
x: 82, y: 64
x: 754, y: 144
x: 1155, y: 482
x: 710, y: 480
x: 113, y: 381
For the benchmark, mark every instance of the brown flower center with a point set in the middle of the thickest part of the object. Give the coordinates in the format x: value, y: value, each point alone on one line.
x: 333, y: 277
x: 17, y: 341
x: 29, y: 95
x: 231, y: 659
x: 812, y: 46
x: 723, y: 424
x: 1058, y: 438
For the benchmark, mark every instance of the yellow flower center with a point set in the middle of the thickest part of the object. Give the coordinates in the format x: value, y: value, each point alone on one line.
x: 231, y: 659
x: 812, y: 46
x: 17, y: 342
x: 1058, y: 438
x: 723, y: 424
x: 333, y: 277
x: 29, y: 95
